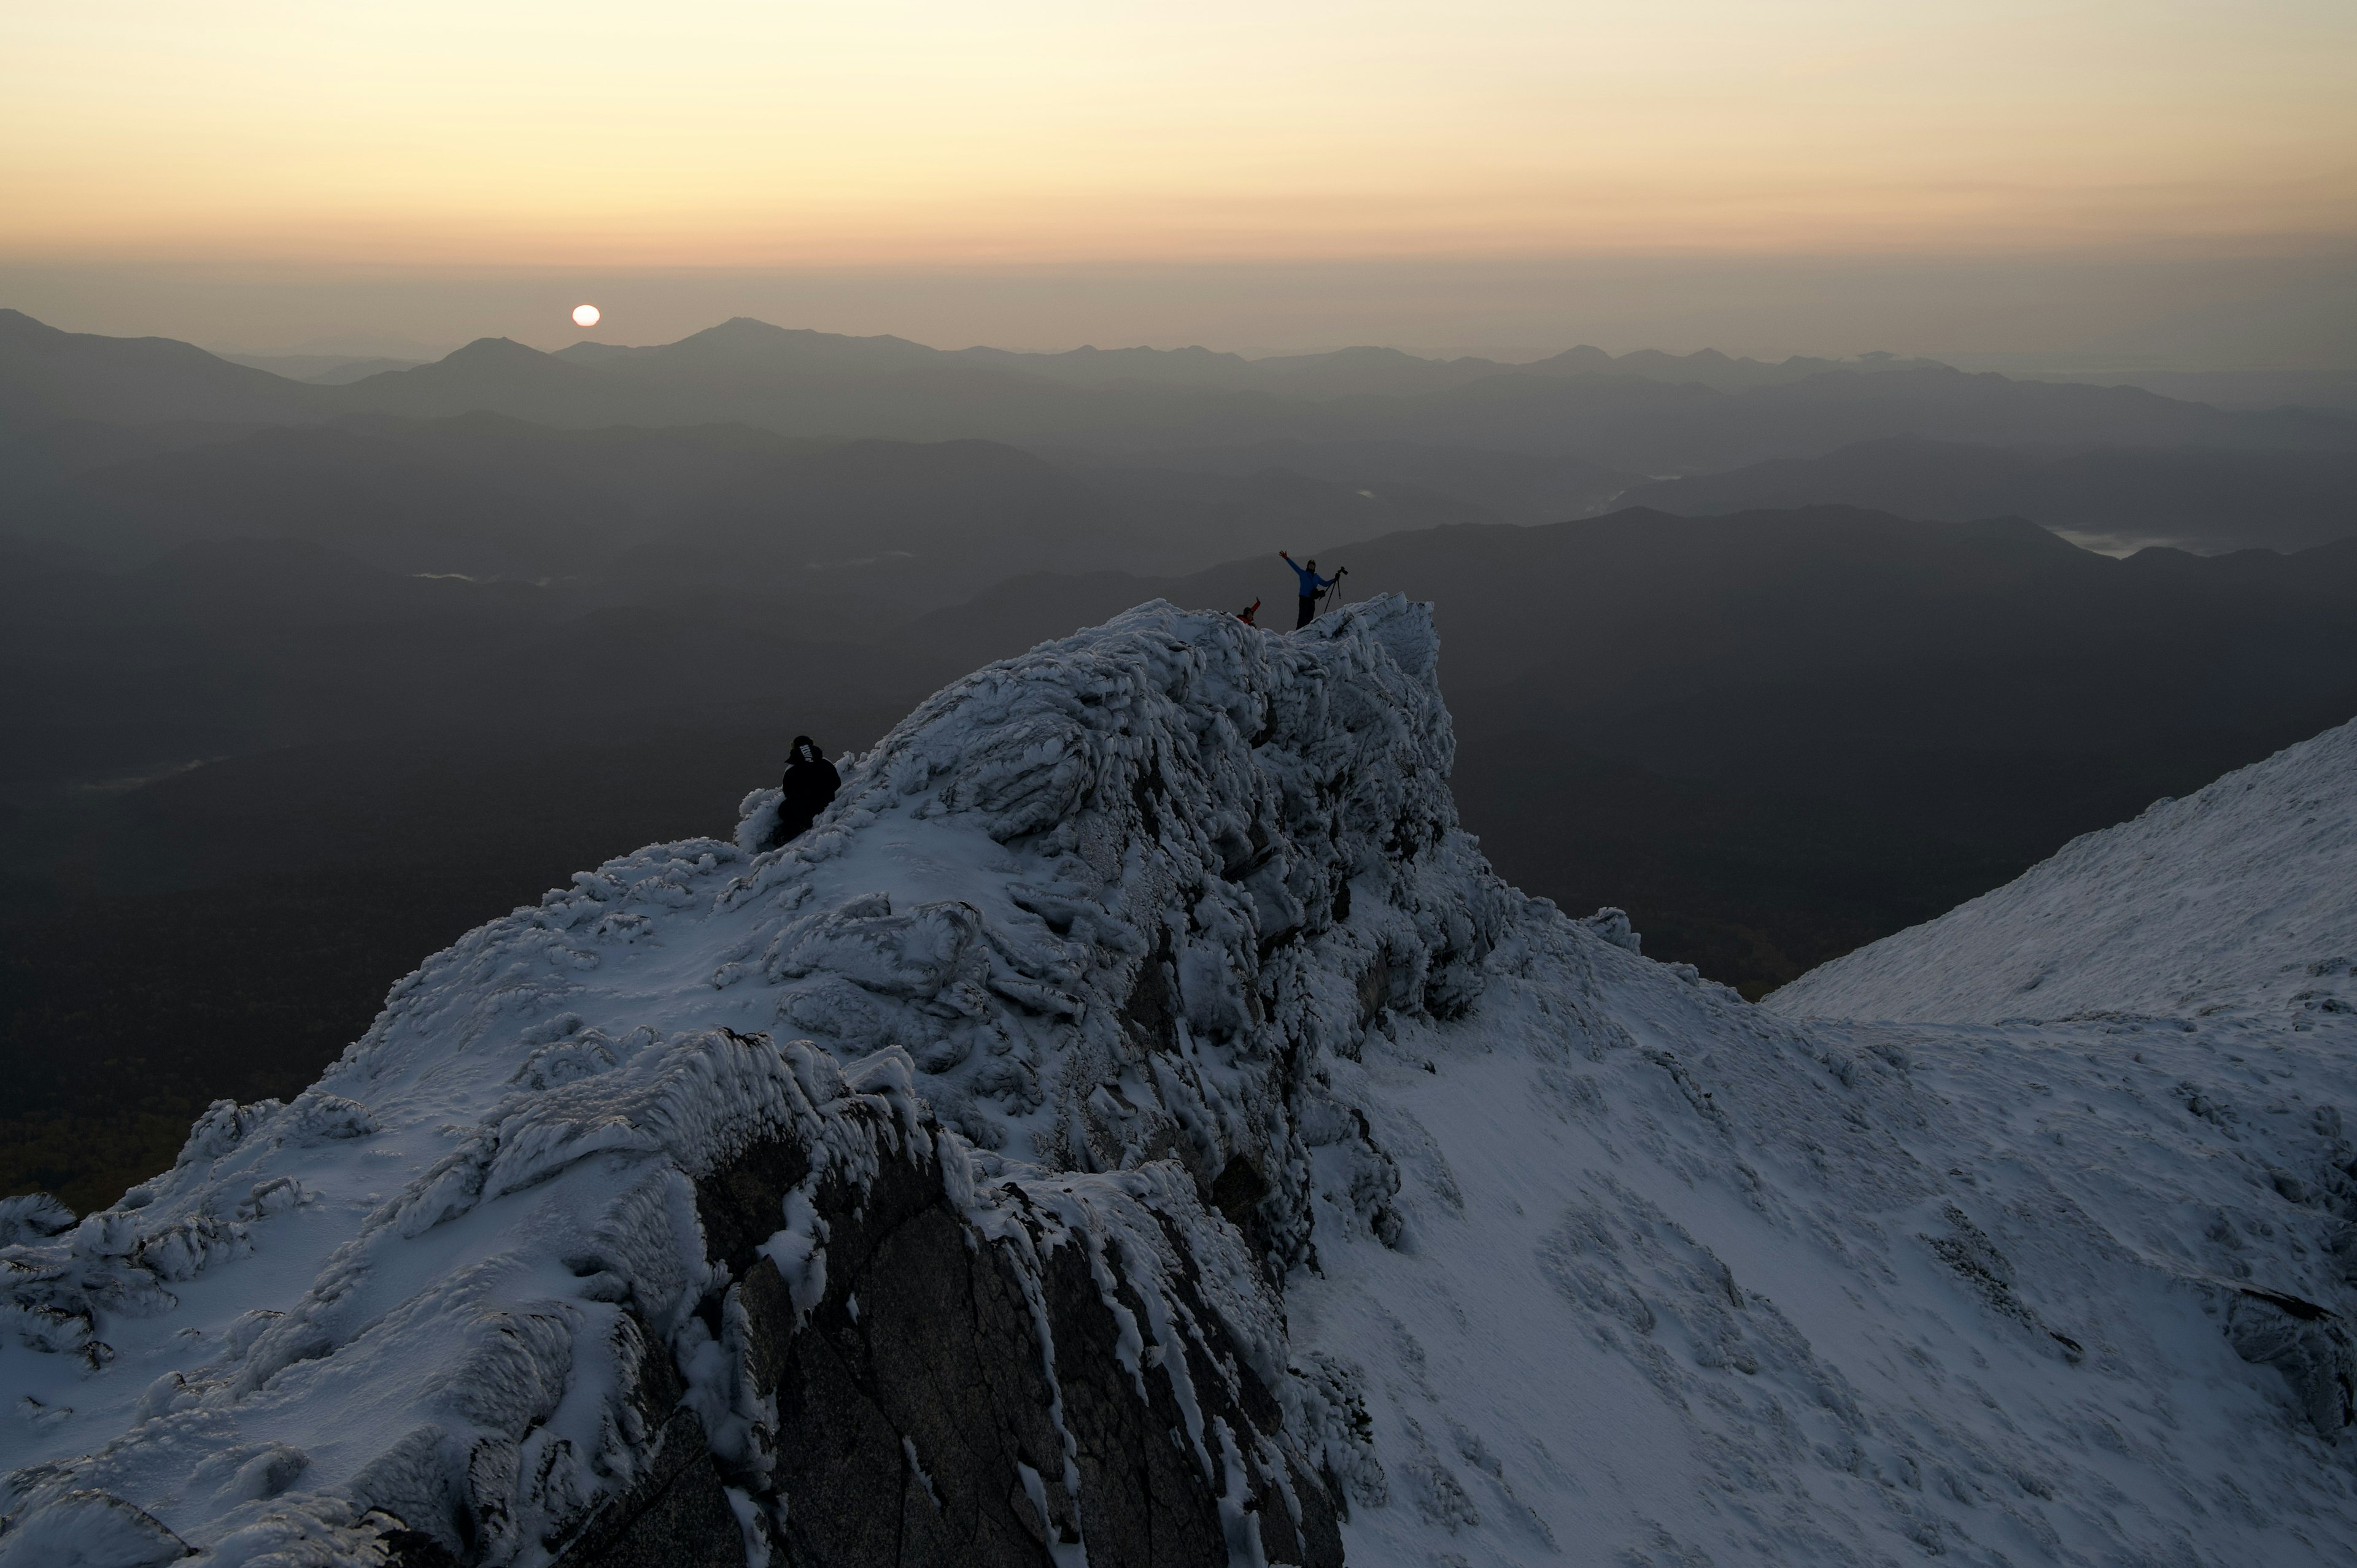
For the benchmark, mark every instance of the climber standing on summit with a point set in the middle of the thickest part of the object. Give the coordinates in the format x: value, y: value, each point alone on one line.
x: 809, y: 783
x: 1313, y: 587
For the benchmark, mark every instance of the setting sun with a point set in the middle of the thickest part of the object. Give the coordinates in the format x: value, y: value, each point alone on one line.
x: 585, y: 315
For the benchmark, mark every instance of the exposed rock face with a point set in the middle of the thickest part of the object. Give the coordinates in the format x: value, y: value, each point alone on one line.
x: 1040, y: 1365
x: 951, y: 1375
x: 887, y: 1362
x: 2307, y: 1345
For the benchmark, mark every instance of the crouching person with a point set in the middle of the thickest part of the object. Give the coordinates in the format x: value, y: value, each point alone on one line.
x: 808, y: 785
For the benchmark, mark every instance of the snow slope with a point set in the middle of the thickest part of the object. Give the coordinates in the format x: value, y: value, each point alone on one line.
x: 2242, y: 897
x: 1161, y: 947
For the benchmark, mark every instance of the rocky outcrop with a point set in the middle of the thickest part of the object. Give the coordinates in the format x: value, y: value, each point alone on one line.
x: 1226, y: 854
x: 2307, y: 1345
x: 1006, y: 1376
x: 994, y: 1377
x: 916, y: 1192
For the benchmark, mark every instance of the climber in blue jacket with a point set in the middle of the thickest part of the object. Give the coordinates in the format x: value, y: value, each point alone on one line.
x: 1313, y: 587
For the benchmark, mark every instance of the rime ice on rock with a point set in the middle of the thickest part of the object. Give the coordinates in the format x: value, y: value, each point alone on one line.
x: 1230, y: 852
x: 1103, y: 905
x: 1135, y: 1125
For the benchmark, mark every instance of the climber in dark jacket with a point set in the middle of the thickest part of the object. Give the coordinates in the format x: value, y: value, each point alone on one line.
x: 809, y: 783
x: 1313, y: 588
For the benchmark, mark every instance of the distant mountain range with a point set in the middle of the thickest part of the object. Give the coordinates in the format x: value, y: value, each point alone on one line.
x: 325, y: 369
x: 2202, y: 499
x: 701, y: 461
x: 47, y: 377
x: 845, y: 531
x: 1651, y: 413
x: 1350, y: 372
x: 620, y: 510
x: 481, y: 495
x: 80, y: 375
x: 1508, y: 487
x: 2335, y: 390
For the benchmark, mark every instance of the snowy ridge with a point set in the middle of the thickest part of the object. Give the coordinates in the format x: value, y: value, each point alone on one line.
x: 1136, y: 1073
x: 456, y: 1341
x: 1078, y: 889
x: 2240, y: 897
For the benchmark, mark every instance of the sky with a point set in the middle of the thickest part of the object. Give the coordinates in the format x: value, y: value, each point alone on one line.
x: 434, y: 169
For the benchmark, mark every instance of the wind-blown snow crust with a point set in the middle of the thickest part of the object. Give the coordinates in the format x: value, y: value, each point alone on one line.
x: 1134, y: 1124
x: 2241, y: 897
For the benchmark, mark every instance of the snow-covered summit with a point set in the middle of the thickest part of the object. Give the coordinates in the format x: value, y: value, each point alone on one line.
x: 1099, y: 906
x: 2240, y: 897
x: 1134, y: 1126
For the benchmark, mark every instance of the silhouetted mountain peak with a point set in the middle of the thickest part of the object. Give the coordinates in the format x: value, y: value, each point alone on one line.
x: 48, y: 374
x: 1363, y: 354
x: 745, y: 338
x: 1194, y: 352
x: 492, y: 351
x: 21, y: 330
x: 746, y: 331
x: 1654, y: 362
x: 15, y: 326
x: 587, y: 353
x: 487, y: 367
x: 1585, y: 358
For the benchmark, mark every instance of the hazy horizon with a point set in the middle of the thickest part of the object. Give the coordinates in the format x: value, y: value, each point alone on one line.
x: 2256, y: 312
x: 2169, y: 184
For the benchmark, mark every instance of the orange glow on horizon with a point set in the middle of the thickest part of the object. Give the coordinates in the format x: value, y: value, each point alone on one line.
x: 909, y: 133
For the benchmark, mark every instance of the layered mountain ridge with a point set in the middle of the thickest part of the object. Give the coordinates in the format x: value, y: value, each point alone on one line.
x: 1135, y: 1125
x: 1647, y: 410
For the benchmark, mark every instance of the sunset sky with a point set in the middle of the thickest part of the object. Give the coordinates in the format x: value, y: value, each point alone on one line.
x: 413, y: 143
